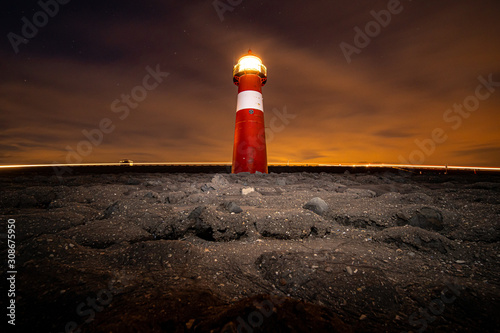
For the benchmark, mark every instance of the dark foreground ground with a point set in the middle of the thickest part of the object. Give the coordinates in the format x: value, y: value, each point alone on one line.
x: 391, y: 252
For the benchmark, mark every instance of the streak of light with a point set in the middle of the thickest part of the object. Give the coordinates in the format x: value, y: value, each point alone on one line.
x: 415, y: 166
x: 344, y: 165
x: 112, y: 164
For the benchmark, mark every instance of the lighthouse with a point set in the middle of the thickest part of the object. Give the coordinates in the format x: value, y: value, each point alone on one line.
x: 249, y: 151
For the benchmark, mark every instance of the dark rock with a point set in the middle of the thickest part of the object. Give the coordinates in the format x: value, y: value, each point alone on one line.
x: 206, y: 188
x: 202, y: 228
x: 361, y: 222
x: 401, y: 219
x: 415, y: 238
x: 427, y: 218
x: 219, y: 181
x: 151, y: 195
x: 195, y: 213
x: 232, y: 207
x: 317, y: 205
x: 110, y: 210
x: 175, y: 197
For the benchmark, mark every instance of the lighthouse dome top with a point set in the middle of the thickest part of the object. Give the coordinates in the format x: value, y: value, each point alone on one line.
x: 249, y: 64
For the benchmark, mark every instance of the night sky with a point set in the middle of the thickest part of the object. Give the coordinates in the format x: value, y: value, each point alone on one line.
x: 151, y: 81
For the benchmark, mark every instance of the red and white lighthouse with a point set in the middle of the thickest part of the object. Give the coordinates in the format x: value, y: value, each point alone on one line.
x: 249, y: 151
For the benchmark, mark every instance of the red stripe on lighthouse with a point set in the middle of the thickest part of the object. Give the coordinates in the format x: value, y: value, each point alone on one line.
x: 250, y: 82
x: 249, y: 151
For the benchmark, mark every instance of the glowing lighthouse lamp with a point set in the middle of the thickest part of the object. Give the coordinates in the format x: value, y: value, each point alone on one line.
x: 249, y: 151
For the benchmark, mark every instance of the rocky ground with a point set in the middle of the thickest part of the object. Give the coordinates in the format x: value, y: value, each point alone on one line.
x: 290, y: 252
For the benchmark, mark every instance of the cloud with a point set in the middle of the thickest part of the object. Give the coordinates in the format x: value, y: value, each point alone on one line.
x: 394, y: 133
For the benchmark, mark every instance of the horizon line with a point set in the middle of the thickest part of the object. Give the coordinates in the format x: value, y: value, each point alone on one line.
x: 351, y: 165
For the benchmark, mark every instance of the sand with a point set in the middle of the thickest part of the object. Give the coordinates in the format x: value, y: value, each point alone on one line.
x: 288, y: 252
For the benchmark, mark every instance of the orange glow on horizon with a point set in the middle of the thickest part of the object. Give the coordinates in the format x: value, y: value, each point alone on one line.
x: 348, y: 165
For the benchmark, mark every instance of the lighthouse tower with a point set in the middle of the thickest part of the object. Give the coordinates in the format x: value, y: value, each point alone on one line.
x: 249, y: 151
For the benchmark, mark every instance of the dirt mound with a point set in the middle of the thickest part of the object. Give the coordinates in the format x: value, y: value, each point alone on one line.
x: 415, y: 238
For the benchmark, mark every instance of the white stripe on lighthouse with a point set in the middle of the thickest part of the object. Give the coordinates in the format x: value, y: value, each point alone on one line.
x: 250, y: 99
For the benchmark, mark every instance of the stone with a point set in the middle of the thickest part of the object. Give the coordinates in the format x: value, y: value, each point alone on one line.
x: 110, y: 210
x: 427, y: 218
x: 151, y: 195
x: 175, y: 197
x: 195, y: 213
x: 232, y: 207
x: 247, y: 190
x: 317, y: 205
x: 281, y: 181
x: 219, y: 181
x: 207, y: 188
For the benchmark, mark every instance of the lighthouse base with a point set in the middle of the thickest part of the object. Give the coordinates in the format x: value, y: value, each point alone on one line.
x: 249, y: 151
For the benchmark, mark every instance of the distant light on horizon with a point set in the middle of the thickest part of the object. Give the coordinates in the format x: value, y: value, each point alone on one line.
x: 228, y: 164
